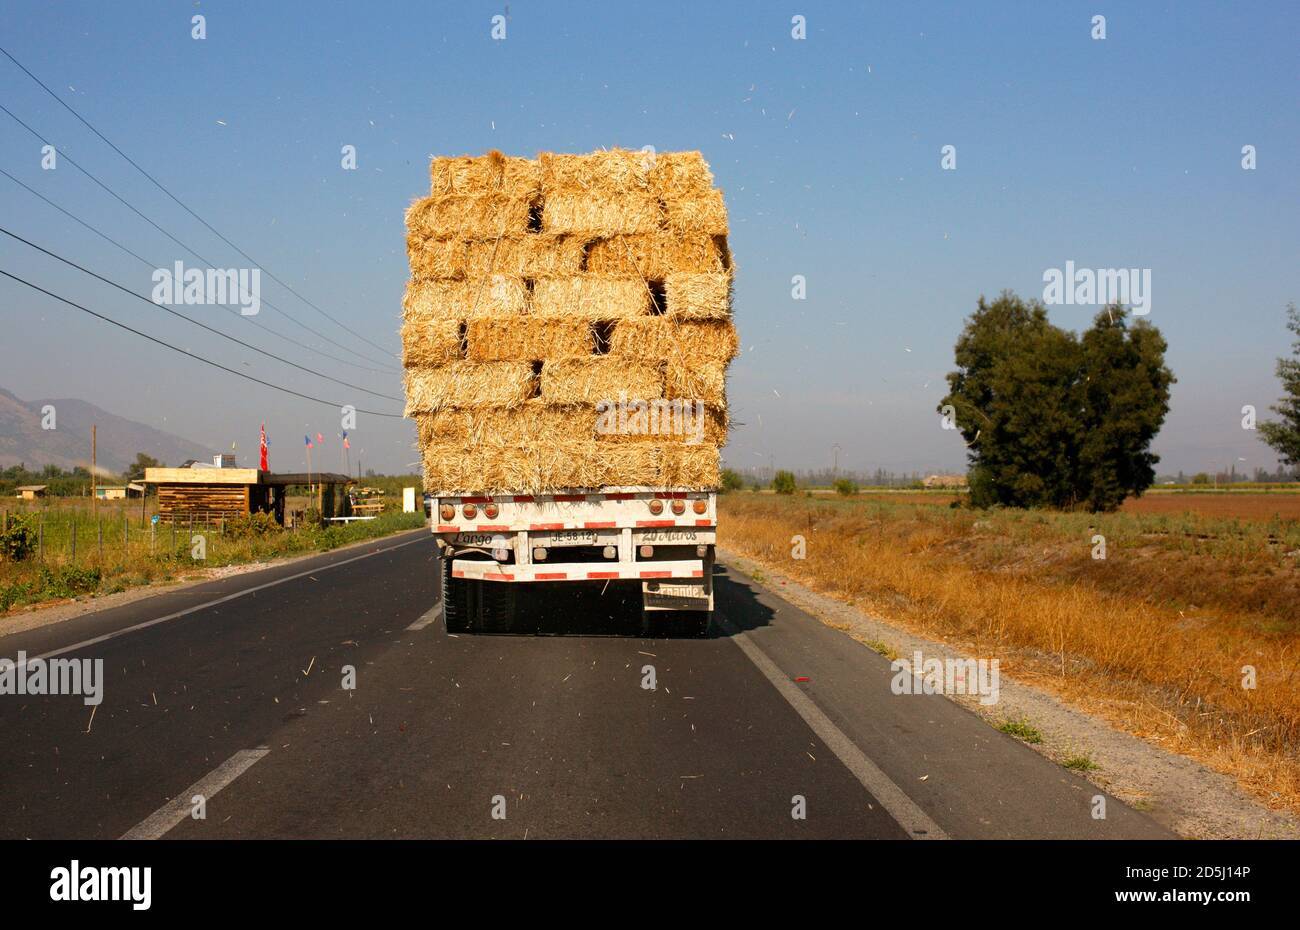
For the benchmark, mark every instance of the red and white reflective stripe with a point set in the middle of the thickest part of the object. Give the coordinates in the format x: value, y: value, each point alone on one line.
x: 603, y: 575
x: 656, y: 522
x: 498, y: 576
x: 551, y: 576
x: 601, y: 525
x: 656, y: 574
x: 448, y: 528
x: 703, y: 522
x: 492, y: 528
x: 546, y: 526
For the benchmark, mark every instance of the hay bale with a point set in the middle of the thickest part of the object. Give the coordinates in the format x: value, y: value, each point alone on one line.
x: 598, y: 214
x: 616, y: 171
x: 530, y: 337
x: 705, y: 381
x: 435, y: 259
x: 591, y: 297
x: 676, y: 175
x: 599, y: 378
x: 519, y: 178
x: 705, y: 213
x: 468, y: 216
x: 661, y: 420
x: 655, y: 256
x: 684, y: 466
x: 533, y: 256
x: 430, y: 342
x: 498, y: 295
x: 698, y: 296
x: 666, y: 339
x: 465, y: 383
x: 531, y: 422
x: 554, y: 465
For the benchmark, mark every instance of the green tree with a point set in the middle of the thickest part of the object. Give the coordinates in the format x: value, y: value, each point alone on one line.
x: 135, y: 471
x: 1052, y: 419
x: 846, y: 487
x: 731, y: 480
x: 783, y: 482
x: 1284, y: 435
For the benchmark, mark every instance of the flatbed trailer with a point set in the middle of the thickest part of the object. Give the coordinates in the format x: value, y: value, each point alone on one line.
x: 495, y: 545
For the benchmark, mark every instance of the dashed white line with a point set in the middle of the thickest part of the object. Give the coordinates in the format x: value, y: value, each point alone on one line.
x: 178, y: 808
x: 430, y: 616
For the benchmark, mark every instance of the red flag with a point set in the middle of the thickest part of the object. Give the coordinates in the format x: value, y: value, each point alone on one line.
x: 263, y: 464
x: 320, y: 439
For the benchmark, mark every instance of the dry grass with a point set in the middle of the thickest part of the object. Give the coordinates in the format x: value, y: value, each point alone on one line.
x: 1154, y: 638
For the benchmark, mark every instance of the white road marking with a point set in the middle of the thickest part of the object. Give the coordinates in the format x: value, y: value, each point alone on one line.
x: 204, y: 606
x: 178, y: 808
x: 899, y: 806
x: 432, y: 615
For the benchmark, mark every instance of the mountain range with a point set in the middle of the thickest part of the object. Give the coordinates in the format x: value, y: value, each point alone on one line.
x: 23, y: 440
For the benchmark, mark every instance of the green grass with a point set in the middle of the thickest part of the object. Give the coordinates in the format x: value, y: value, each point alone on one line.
x: 1021, y: 730
x: 146, y: 556
x: 1081, y: 763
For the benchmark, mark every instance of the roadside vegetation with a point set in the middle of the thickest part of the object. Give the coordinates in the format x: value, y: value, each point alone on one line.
x: 1145, y: 618
x: 67, y: 550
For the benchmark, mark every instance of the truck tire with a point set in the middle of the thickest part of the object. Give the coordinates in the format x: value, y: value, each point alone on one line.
x: 496, y: 613
x: 455, y: 601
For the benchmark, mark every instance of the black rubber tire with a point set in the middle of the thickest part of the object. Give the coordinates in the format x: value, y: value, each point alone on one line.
x: 496, y: 607
x: 455, y: 601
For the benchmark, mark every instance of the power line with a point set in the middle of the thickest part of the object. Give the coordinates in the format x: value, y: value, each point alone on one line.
x: 196, y: 357
x: 206, y: 261
x: 148, y: 264
x: 158, y: 184
x: 126, y: 290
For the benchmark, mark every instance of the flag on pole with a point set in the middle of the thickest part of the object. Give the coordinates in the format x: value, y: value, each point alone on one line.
x: 262, y: 464
x: 307, y: 440
x: 320, y: 439
x: 346, y: 444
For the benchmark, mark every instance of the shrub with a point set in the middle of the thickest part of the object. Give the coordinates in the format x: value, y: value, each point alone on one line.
x: 17, y: 539
x: 731, y: 480
x: 253, y: 524
x: 846, y: 487
x: 783, y: 482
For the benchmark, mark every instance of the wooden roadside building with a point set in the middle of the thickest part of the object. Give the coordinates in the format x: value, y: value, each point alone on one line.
x: 211, y: 494
x: 30, y: 492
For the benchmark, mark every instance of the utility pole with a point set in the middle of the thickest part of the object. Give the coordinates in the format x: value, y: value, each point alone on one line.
x: 835, y: 469
x: 94, y: 440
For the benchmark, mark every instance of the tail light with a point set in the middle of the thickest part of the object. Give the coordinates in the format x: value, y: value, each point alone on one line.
x: 647, y: 552
x: 490, y: 511
x: 470, y: 511
x: 447, y: 512
x: 656, y: 506
x: 700, y: 506
x: 679, y: 506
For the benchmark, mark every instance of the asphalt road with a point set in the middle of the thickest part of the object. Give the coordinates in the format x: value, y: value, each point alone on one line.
x: 233, y: 690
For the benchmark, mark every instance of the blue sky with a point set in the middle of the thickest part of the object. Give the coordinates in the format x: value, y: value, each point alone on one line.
x: 1124, y: 152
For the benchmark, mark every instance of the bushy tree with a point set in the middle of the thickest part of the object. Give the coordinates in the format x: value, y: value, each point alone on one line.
x: 1053, y: 419
x: 731, y: 480
x: 135, y: 471
x: 1284, y: 434
x: 846, y: 487
x: 783, y: 482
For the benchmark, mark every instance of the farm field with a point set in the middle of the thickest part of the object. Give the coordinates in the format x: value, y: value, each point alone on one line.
x: 1153, y: 636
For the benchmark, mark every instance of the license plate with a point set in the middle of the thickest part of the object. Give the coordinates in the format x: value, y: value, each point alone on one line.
x: 570, y: 538
x: 479, y: 539
x: 670, y: 536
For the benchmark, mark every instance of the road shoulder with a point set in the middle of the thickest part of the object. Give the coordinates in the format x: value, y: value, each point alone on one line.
x: 1178, y: 792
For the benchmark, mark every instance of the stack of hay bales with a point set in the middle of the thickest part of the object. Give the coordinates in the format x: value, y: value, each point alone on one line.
x: 543, y: 291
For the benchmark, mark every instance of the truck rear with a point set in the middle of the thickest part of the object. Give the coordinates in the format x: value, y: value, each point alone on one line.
x: 497, y: 548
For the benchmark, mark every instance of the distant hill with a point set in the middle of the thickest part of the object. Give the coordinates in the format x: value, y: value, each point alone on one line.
x: 22, y: 441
